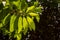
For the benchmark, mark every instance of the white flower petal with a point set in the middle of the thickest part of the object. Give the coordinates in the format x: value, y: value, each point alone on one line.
x: 29, y: 0
x: 4, y: 3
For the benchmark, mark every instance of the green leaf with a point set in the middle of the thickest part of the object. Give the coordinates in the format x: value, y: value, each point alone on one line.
x: 25, y: 26
x: 33, y: 17
x: 1, y: 25
x: 38, y: 18
x: 38, y: 9
x: 36, y: 3
x: 20, y: 24
x: 30, y: 9
x: 33, y: 14
x: 6, y: 19
x: 19, y: 36
x: 7, y: 2
x: 18, y: 4
x: 24, y: 5
x: 16, y: 24
x: 12, y: 20
x: 3, y: 13
x: 31, y: 23
x: 15, y: 27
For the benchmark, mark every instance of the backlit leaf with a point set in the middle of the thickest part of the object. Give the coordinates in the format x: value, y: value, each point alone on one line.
x: 30, y: 9
x: 38, y: 9
x: 6, y: 19
x: 19, y: 37
x: 1, y: 25
x: 19, y: 24
x: 31, y: 23
x: 12, y: 20
x: 25, y: 25
x: 33, y: 14
x: 38, y: 18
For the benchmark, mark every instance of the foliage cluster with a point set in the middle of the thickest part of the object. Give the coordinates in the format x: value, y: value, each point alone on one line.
x: 16, y: 17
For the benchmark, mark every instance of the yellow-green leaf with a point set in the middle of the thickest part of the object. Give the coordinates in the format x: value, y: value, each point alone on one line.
x: 39, y: 9
x: 30, y: 8
x: 12, y: 20
x: 36, y: 3
x: 1, y: 25
x: 31, y: 23
x: 33, y: 14
x: 19, y: 36
x: 7, y: 2
x: 19, y: 24
x: 6, y: 19
x: 25, y: 25
x: 38, y: 18
x: 16, y: 3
